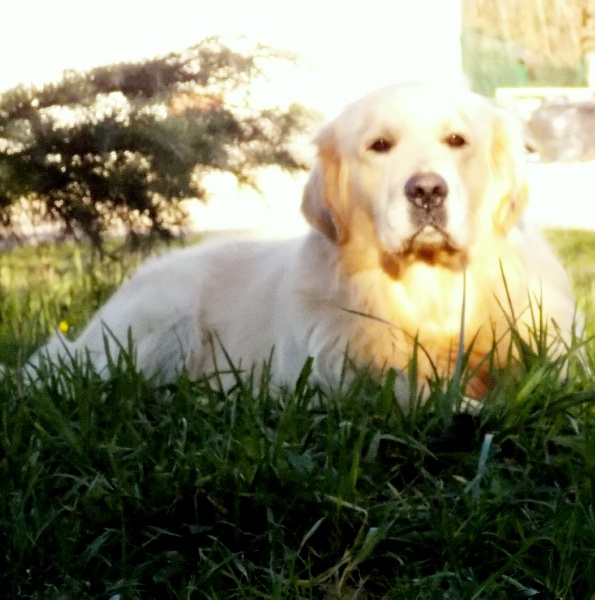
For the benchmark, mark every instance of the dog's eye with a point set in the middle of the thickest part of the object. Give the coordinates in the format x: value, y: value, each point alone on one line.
x: 380, y: 145
x: 455, y: 140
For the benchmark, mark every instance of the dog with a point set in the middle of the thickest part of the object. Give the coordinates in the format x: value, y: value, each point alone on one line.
x: 416, y: 246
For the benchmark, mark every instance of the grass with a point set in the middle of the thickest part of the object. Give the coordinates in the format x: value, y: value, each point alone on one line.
x: 41, y: 286
x: 577, y: 248
x: 125, y: 489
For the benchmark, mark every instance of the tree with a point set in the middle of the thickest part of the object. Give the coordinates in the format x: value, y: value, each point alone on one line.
x: 125, y: 143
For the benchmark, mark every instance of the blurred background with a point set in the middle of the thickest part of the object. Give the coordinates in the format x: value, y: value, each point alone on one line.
x: 134, y: 117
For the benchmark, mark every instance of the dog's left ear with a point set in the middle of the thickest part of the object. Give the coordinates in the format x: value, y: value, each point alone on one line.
x: 508, y: 165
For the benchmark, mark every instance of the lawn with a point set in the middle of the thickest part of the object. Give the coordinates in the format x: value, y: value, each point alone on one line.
x: 124, y: 489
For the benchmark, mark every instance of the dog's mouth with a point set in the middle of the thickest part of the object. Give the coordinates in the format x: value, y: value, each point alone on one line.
x: 430, y: 244
x: 429, y: 239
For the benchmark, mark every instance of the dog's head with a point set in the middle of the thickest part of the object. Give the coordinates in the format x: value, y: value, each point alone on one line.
x: 417, y: 172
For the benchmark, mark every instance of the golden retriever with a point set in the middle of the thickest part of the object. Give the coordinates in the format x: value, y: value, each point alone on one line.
x: 414, y: 202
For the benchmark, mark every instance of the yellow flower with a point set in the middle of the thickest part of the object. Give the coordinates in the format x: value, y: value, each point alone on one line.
x: 63, y: 326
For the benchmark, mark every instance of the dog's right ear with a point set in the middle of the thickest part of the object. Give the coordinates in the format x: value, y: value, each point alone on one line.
x: 324, y: 196
x: 508, y: 168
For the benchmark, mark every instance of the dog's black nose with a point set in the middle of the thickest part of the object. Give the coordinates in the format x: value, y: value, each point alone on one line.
x: 426, y: 190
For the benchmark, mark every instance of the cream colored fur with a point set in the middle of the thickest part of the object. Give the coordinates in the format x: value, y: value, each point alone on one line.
x: 364, y: 281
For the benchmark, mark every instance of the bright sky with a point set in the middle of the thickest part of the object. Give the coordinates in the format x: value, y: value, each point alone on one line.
x: 350, y: 47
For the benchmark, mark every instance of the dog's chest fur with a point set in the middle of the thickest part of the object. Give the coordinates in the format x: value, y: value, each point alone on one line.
x: 425, y: 313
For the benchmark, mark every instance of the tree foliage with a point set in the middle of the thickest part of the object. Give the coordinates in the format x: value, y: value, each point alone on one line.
x: 124, y: 144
